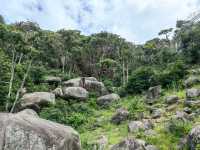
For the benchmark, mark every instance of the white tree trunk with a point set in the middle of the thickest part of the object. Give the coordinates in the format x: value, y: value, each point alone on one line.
x: 22, y: 86
x: 11, y: 80
x: 123, y: 73
x: 20, y: 58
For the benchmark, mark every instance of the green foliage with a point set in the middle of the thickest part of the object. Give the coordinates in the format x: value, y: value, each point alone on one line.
x: 173, y: 73
x: 76, y: 120
x: 141, y: 80
x: 179, y: 128
x: 136, y: 107
x: 37, y: 74
x: 2, y: 19
x: 189, y: 37
x: 73, y: 114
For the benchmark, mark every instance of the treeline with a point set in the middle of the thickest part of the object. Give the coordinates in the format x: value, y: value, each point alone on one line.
x: 28, y: 53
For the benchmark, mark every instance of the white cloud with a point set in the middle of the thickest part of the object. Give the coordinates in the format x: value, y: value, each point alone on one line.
x: 136, y: 20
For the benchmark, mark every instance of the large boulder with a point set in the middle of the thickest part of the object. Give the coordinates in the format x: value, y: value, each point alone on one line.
x: 192, y: 103
x: 153, y: 94
x: 130, y: 144
x: 28, y: 112
x: 120, y: 116
x: 156, y: 113
x: 106, y: 100
x: 192, y: 97
x: 171, y: 99
x: 52, y: 79
x: 194, y: 138
x: 58, y: 92
x: 36, y: 100
x: 192, y: 93
x: 28, y: 132
x: 89, y: 83
x: 135, y: 126
x: 78, y: 93
x: 151, y: 147
x: 192, y: 81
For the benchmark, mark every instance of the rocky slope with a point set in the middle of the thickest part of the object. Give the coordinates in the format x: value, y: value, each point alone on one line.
x: 160, y: 119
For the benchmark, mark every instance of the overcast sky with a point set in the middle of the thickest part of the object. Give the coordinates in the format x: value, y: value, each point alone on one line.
x: 135, y: 20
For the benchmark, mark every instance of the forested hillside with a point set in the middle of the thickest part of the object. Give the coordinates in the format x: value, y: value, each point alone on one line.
x: 108, y: 89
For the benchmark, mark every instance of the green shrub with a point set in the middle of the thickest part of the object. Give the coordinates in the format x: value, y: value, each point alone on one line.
x: 179, y: 128
x: 136, y: 107
x: 75, y: 115
x: 141, y: 80
x: 172, y: 74
x: 76, y: 120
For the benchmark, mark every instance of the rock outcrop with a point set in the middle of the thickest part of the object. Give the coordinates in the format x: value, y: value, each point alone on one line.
x: 133, y: 144
x: 129, y: 144
x: 193, y: 141
x: 192, y: 93
x: 191, y: 81
x: 24, y: 131
x: 153, y: 94
x: 58, y: 92
x: 75, y: 93
x: 52, y: 79
x: 106, y: 100
x: 192, y: 97
x: 89, y: 83
x: 36, y: 100
x: 171, y: 99
x: 120, y: 116
x: 135, y: 126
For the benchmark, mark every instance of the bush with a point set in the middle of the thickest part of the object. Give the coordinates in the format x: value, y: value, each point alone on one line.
x: 179, y: 128
x: 76, y: 120
x: 172, y: 74
x: 135, y: 108
x: 141, y: 80
x: 75, y: 115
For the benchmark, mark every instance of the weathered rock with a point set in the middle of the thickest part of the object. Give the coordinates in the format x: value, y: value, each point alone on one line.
x: 194, y: 138
x: 153, y: 94
x: 37, y: 99
x: 130, y: 144
x: 192, y: 93
x: 101, y: 143
x: 106, y: 100
x: 28, y: 112
x: 192, y: 81
x: 58, y: 92
x: 52, y: 79
x: 181, y: 115
x: 89, y: 83
x: 23, y: 91
x: 151, y: 147
x: 120, y: 116
x: 172, y: 107
x: 187, y: 110
x: 156, y: 113
x: 78, y: 93
x: 192, y: 103
x: 135, y: 126
x: 27, y: 132
x: 172, y: 99
x: 150, y: 132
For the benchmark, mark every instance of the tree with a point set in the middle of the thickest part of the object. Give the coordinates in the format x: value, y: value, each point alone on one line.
x: 166, y: 32
x: 2, y: 21
x: 189, y: 43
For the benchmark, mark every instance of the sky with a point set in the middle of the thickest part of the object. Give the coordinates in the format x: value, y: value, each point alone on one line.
x: 135, y: 20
